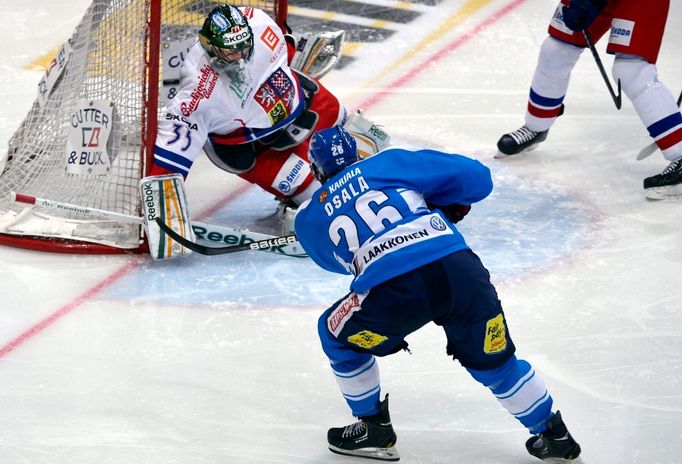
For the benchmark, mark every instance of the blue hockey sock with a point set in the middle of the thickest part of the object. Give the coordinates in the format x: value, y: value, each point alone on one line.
x: 521, y: 391
x: 359, y: 386
x: 357, y: 374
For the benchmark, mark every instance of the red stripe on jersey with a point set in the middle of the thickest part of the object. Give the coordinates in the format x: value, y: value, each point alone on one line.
x: 670, y: 140
x: 540, y: 113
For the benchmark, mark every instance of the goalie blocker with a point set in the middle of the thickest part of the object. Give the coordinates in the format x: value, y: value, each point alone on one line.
x: 164, y: 197
x: 369, y: 137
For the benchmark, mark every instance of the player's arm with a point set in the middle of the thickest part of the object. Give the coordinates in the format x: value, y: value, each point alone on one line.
x: 314, y: 239
x: 179, y: 140
x: 579, y: 14
x: 449, y: 181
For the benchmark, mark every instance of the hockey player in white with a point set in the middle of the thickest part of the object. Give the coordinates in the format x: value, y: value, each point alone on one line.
x: 389, y: 221
x: 636, y: 33
x: 241, y: 102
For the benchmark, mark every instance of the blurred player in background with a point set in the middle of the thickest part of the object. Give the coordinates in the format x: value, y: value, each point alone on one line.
x: 636, y: 32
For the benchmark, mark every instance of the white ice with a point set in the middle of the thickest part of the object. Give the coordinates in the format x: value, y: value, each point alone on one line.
x: 207, y: 360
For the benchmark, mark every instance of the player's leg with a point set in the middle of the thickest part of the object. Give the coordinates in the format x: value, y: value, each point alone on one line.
x: 558, y: 55
x: 636, y: 40
x: 478, y: 337
x: 357, y: 375
x: 355, y: 330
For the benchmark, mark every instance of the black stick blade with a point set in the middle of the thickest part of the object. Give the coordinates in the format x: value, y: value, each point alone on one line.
x: 212, y: 251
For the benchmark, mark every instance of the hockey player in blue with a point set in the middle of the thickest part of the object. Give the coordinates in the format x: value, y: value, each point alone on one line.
x: 389, y: 221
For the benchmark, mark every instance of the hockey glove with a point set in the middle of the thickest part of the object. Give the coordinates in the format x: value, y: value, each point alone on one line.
x: 316, y: 54
x: 454, y: 212
x: 369, y: 137
x: 579, y: 14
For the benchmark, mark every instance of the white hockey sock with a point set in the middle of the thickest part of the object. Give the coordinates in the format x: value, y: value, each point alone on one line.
x: 550, y: 82
x: 654, y: 103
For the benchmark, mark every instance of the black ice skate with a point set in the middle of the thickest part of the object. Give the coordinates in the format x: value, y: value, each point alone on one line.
x: 666, y: 185
x: 555, y: 442
x: 522, y: 139
x: 371, y: 437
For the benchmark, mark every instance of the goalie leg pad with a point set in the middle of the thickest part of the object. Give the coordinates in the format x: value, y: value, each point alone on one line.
x: 164, y: 197
x: 369, y: 137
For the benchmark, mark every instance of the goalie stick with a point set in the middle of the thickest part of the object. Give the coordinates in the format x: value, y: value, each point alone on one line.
x: 68, y: 207
x: 652, y: 147
x: 211, y: 251
x: 205, y: 232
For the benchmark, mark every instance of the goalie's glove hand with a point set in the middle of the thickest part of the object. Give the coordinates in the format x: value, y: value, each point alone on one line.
x: 317, y: 53
x: 454, y: 212
x: 579, y: 14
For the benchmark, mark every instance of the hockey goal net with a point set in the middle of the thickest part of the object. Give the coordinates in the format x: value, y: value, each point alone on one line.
x: 88, y: 137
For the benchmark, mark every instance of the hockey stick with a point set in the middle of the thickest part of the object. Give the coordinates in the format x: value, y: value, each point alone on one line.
x: 207, y: 232
x: 68, y: 207
x: 652, y: 147
x: 617, y: 99
x: 211, y: 251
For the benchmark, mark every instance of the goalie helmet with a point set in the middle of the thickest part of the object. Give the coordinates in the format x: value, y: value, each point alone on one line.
x: 331, y: 150
x: 226, y: 35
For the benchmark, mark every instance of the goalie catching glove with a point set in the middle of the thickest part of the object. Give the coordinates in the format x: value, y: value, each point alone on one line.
x: 164, y: 197
x: 316, y: 54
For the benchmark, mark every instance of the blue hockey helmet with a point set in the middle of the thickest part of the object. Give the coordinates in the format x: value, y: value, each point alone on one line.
x: 331, y: 150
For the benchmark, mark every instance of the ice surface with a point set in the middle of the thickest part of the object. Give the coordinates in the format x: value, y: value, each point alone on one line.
x: 113, y: 360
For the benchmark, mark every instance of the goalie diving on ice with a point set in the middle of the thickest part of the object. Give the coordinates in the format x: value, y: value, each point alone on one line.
x: 251, y: 99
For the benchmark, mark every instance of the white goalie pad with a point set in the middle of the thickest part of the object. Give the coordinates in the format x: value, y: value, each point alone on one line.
x: 316, y: 54
x: 369, y: 137
x: 164, y: 197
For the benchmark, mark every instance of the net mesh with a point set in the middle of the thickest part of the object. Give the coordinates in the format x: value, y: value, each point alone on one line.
x: 82, y: 141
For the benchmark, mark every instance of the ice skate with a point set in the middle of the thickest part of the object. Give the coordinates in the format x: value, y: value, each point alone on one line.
x: 554, y: 444
x: 522, y: 139
x: 666, y: 185
x: 371, y: 437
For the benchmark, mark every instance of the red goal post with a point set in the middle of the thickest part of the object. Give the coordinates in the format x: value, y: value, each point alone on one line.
x: 89, y: 136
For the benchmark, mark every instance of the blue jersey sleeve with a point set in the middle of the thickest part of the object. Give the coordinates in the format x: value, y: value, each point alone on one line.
x: 443, y: 178
x: 311, y: 236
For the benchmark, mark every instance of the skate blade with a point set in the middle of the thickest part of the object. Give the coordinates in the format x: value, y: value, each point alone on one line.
x: 578, y: 460
x: 664, y: 193
x: 381, y: 454
x: 500, y: 155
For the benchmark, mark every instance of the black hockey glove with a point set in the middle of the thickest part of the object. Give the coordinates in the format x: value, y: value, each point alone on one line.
x: 579, y: 14
x: 454, y: 212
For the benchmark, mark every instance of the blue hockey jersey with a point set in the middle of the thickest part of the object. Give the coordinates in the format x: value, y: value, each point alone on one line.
x: 371, y: 220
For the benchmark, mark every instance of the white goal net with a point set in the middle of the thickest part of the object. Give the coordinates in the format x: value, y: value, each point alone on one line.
x: 90, y: 131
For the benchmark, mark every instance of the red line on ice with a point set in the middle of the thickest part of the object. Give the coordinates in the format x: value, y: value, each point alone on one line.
x: 66, y: 308
x: 107, y: 281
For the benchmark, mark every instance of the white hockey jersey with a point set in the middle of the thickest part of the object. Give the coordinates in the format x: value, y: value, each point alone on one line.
x: 265, y: 99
